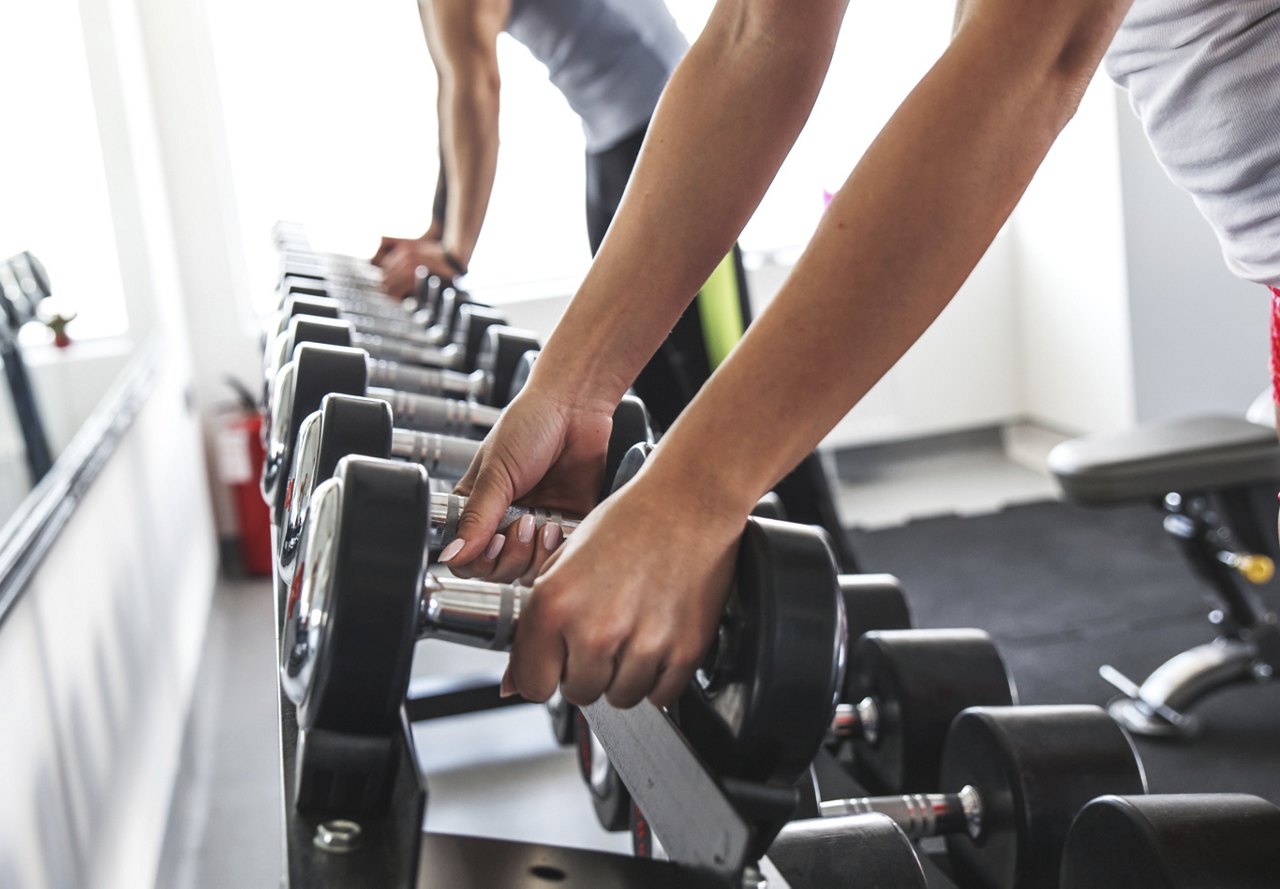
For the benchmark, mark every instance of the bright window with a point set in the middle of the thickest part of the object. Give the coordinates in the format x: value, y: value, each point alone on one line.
x: 51, y: 172
x: 329, y: 111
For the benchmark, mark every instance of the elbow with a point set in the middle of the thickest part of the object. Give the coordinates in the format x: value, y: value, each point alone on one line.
x: 1056, y: 45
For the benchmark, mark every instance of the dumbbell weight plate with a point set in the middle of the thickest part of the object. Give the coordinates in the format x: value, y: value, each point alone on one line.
x: 501, y: 356
x: 830, y: 851
x: 344, y: 426
x: 643, y: 843
x: 1034, y: 774
x: 1186, y: 841
x: 763, y: 702
x: 609, y: 796
x: 919, y: 680
x: 770, y: 506
x: 763, y: 705
x: 873, y: 602
x: 345, y: 659
x: 564, y: 720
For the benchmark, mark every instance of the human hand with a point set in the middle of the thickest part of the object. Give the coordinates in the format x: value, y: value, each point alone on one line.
x: 629, y: 605
x: 385, y: 246
x: 401, y: 262
x: 546, y: 450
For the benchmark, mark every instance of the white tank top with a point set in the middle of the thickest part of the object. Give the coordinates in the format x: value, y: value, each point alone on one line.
x: 1204, y: 78
x: 610, y: 58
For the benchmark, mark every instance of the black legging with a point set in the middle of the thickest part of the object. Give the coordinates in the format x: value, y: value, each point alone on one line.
x: 681, y: 365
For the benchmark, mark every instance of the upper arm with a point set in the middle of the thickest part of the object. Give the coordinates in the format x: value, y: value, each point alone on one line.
x: 1067, y: 39
x: 466, y: 32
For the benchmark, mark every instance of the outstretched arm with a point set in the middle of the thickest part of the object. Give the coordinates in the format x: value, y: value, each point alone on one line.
x: 462, y: 36
x: 627, y: 605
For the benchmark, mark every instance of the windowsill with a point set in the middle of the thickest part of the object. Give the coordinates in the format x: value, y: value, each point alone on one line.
x: 42, y: 354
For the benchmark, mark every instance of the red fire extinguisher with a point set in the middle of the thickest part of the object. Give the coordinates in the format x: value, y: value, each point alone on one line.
x: 239, y: 460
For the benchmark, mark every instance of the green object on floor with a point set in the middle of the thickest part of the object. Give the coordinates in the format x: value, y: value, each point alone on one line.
x: 720, y: 311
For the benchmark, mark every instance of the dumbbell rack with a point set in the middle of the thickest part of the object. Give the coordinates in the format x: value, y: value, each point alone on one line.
x: 392, y: 850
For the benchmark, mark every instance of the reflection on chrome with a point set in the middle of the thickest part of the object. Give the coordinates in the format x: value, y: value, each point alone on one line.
x: 307, y: 613
x: 278, y: 419
x: 301, y: 479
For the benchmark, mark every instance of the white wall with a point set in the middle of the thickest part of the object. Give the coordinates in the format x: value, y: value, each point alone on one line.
x: 1200, y: 337
x: 100, y: 655
x: 1073, y: 359
x: 99, y: 660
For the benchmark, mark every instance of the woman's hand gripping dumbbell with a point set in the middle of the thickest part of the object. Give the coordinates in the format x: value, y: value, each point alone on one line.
x: 347, y: 425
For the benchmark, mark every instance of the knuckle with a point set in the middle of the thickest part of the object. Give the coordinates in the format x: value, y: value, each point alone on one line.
x: 623, y: 700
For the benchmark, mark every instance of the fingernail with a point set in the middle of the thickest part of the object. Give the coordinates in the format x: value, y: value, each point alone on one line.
x: 550, y: 536
x: 525, y: 528
x: 452, y: 549
x: 495, y: 546
x: 506, y: 689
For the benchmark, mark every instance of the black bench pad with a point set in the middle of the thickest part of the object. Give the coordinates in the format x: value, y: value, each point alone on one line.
x: 1151, y: 460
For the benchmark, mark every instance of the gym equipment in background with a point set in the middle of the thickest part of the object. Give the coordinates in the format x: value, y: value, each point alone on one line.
x: 1214, y: 479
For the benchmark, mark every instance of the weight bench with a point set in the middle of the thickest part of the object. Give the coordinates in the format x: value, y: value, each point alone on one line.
x: 1214, y: 478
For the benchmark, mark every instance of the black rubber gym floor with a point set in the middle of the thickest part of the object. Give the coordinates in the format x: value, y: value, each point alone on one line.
x: 1062, y: 590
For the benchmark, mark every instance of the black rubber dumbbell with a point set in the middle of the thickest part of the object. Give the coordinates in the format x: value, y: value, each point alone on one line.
x: 318, y: 370
x: 501, y: 369
x: 461, y: 355
x: 360, y: 600
x: 334, y: 265
x: 361, y: 301
x: 347, y: 425
x: 902, y: 690
x: 1176, y: 841
x: 1013, y: 779
x: 870, y: 602
x: 426, y: 351
x: 390, y: 322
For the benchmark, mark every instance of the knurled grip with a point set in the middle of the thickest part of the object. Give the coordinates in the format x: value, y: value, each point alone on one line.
x: 444, y: 456
x: 411, y: 353
x: 431, y: 413
x: 397, y: 328
x: 423, y: 380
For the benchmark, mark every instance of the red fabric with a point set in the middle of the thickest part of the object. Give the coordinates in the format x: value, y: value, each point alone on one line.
x: 1275, y: 344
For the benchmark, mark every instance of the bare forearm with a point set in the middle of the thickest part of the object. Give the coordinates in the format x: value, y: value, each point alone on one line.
x: 470, y: 157
x: 729, y: 115
x: 896, y: 244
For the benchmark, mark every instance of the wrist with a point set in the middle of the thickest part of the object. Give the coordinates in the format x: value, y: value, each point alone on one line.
x: 578, y: 370
x: 697, y: 482
x: 456, y: 263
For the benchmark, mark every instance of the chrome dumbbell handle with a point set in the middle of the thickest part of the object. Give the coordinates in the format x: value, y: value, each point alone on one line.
x: 444, y: 456
x: 435, y: 380
x: 918, y: 814
x: 447, y: 510
x: 449, y: 356
x: 471, y: 612
x: 860, y: 720
x: 431, y: 413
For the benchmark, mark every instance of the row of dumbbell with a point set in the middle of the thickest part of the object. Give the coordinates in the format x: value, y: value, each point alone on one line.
x: 1026, y: 771
x: 314, y: 425
x: 1017, y: 775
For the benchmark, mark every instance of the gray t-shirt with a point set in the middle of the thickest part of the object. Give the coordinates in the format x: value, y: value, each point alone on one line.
x: 610, y: 58
x: 1204, y: 78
